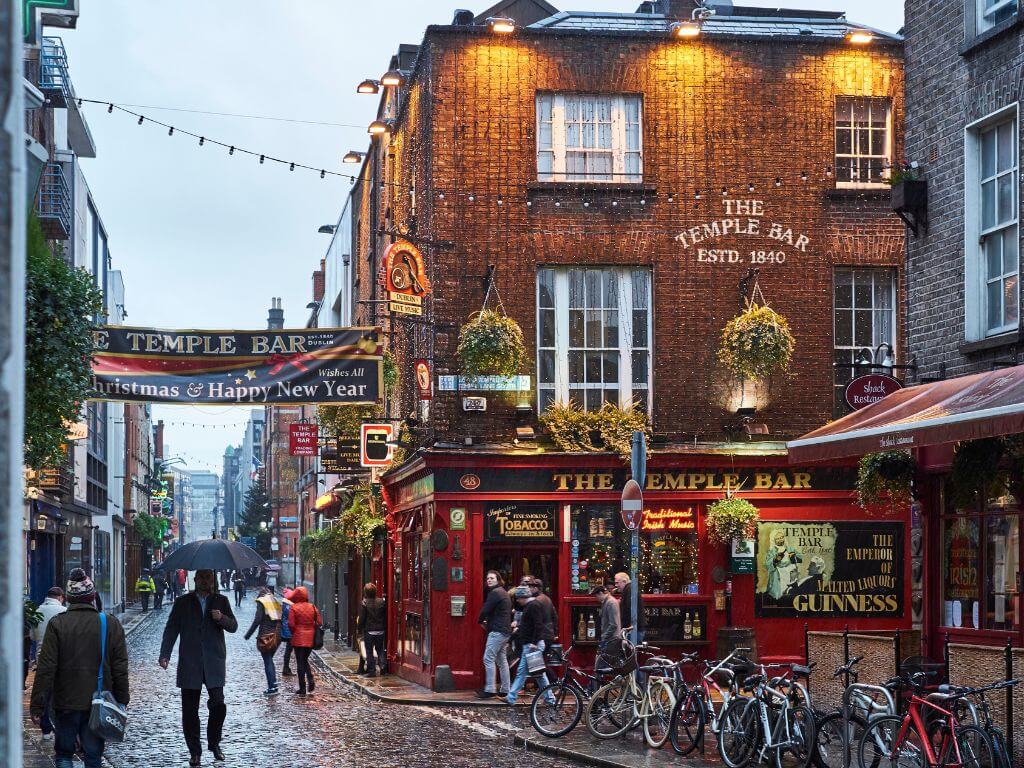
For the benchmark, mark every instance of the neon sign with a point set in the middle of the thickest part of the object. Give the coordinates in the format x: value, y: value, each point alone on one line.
x: 669, y: 519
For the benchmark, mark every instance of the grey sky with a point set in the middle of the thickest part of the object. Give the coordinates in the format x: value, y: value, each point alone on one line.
x: 204, y: 239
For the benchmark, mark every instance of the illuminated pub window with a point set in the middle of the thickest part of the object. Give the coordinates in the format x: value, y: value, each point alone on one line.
x: 668, y: 548
x: 982, y: 562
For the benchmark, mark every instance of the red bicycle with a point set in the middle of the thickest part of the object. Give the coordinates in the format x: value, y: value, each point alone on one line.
x: 929, y: 735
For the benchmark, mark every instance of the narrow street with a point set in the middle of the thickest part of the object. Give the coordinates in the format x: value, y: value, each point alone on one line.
x: 335, y: 727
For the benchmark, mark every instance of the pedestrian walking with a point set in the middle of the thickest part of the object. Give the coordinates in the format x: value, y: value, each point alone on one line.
x: 161, y: 590
x: 239, y: 583
x: 181, y: 582
x: 50, y: 607
x: 286, y: 634
x: 531, y: 632
x: 68, y: 670
x: 496, y: 619
x: 200, y: 619
x: 145, y: 587
x: 625, y: 589
x: 551, y: 614
x: 272, y: 580
x: 372, y: 623
x: 303, y: 619
x: 268, y: 622
x: 610, y: 629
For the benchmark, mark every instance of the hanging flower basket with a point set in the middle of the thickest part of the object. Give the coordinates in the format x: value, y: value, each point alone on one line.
x: 888, y: 475
x: 609, y: 429
x: 491, y: 344
x: 757, y: 343
x: 731, y: 518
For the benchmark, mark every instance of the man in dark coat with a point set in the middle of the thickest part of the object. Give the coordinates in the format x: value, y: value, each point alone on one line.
x: 625, y: 589
x: 200, y: 619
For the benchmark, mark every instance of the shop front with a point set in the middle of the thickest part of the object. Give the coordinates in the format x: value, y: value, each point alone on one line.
x: 817, y: 560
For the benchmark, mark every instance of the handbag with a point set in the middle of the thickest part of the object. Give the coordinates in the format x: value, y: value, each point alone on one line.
x: 268, y: 643
x: 318, y: 631
x: 108, y: 720
x: 534, y: 660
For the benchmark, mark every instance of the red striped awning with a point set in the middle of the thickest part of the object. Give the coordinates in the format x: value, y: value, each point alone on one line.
x: 964, y: 408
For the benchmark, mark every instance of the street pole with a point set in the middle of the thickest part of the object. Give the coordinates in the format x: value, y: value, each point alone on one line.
x: 638, y: 463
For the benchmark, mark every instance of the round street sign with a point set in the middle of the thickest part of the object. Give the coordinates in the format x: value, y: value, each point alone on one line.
x: 869, y: 389
x: 632, y: 505
x: 273, y: 539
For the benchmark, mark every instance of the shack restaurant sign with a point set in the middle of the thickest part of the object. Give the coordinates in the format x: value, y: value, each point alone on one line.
x: 521, y: 522
x: 869, y: 389
x: 319, y: 365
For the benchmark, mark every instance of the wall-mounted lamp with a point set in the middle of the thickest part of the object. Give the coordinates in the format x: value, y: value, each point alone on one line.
x: 353, y: 157
x: 501, y: 25
x: 685, y: 29
x: 327, y: 229
x: 859, y: 36
x: 368, y: 86
x: 391, y: 78
x: 379, y: 128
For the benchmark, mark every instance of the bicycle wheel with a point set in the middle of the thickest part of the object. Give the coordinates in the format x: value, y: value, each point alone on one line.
x: 562, y: 716
x: 998, y: 740
x: 975, y: 747
x: 661, y: 701
x: 881, y: 746
x: 739, y: 733
x: 800, y: 747
x: 829, y: 740
x: 610, y: 711
x: 686, y: 726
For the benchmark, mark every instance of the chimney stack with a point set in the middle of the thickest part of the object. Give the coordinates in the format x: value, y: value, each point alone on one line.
x: 275, y: 317
x: 158, y: 440
x: 319, y: 277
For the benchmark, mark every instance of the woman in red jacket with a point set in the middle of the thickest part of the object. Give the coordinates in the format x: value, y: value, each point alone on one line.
x: 303, y: 618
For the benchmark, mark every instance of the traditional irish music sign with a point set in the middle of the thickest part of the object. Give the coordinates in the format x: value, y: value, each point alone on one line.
x: 305, y: 366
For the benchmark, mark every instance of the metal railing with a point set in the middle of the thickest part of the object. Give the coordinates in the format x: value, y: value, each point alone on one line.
x: 53, y: 204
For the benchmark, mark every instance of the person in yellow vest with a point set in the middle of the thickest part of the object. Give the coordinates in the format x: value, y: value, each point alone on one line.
x: 145, y: 586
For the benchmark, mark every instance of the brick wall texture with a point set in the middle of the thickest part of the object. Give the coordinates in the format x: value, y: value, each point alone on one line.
x: 946, y: 91
x: 718, y: 114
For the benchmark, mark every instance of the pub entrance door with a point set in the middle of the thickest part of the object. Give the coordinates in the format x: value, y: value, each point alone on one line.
x: 514, y: 562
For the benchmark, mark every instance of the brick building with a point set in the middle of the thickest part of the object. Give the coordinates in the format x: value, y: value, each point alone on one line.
x: 613, y: 183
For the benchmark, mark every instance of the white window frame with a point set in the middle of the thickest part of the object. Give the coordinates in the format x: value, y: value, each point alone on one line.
x: 975, y: 268
x: 983, y: 15
x: 561, y: 386
x: 558, y: 149
x: 846, y: 371
x: 887, y: 157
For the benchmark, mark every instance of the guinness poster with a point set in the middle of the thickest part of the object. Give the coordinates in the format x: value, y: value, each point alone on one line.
x: 807, y: 569
x: 521, y: 522
x: 306, y: 366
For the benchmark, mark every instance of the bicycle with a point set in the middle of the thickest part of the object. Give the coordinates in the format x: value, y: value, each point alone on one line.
x: 966, y: 706
x: 559, y: 718
x: 768, y: 723
x: 622, y: 703
x: 928, y: 734
x: 841, y: 729
x: 696, y: 709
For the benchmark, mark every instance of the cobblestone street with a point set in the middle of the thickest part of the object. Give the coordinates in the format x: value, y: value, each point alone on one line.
x: 335, y: 727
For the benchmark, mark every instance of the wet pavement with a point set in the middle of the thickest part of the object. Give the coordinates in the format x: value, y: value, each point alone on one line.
x: 336, y: 726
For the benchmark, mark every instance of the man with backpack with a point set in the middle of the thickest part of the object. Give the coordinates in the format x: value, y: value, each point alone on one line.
x: 68, y: 671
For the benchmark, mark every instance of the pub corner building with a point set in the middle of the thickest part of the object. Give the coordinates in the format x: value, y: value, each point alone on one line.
x: 817, y: 561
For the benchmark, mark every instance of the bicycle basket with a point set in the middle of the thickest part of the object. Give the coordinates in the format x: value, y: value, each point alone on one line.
x: 619, y: 656
x: 934, y: 671
x: 554, y: 654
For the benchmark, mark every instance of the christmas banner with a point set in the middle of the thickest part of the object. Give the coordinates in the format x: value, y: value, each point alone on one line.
x: 333, y: 366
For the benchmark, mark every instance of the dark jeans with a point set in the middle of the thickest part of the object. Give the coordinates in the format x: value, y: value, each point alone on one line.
x: 374, y: 652
x: 190, y: 718
x: 268, y: 667
x: 287, y: 656
x: 145, y: 600
x: 239, y: 594
x: 72, y: 728
x: 304, y: 672
x: 158, y: 600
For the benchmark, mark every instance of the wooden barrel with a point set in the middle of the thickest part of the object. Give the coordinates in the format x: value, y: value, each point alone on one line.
x: 731, y: 638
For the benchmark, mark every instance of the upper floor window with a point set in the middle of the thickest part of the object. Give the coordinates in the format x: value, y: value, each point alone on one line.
x: 992, y: 12
x: 865, y: 324
x: 997, y: 177
x: 594, y: 336
x: 863, y: 141
x: 589, y: 137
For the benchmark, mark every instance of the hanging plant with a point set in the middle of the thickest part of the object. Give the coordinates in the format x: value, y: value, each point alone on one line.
x: 976, y: 473
x: 491, y: 344
x: 731, y: 518
x: 888, y: 475
x: 608, y: 429
x: 390, y: 372
x: 757, y: 343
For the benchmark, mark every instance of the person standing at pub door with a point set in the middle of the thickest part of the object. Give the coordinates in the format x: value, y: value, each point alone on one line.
x: 200, y: 619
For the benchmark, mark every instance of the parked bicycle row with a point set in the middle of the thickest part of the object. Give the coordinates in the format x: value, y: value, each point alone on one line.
x: 763, y: 713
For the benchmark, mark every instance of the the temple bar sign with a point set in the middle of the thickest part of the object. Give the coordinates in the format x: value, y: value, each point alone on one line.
x: 766, y: 480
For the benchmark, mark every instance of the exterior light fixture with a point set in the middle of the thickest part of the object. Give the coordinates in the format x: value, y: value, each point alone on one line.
x: 353, y: 157
x: 859, y: 36
x: 684, y: 29
x: 379, y: 127
x: 368, y: 86
x: 391, y: 78
x: 501, y: 25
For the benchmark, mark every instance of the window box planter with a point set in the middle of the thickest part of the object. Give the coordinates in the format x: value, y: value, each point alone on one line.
x: 910, y: 202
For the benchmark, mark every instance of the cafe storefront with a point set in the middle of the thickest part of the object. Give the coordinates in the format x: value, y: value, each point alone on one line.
x: 817, y: 559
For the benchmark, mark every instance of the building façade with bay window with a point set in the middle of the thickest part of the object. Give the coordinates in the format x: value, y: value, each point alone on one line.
x: 613, y: 185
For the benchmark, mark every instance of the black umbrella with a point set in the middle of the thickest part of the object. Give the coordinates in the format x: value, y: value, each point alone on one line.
x: 214, y: 555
